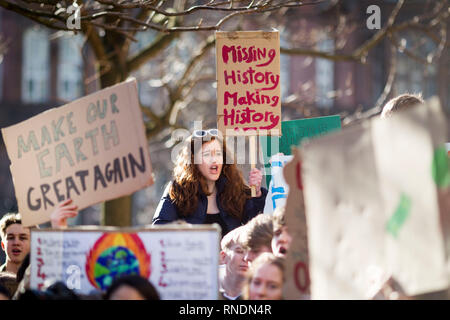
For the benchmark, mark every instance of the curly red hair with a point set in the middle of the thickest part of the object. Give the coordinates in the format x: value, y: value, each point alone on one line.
x: 189, y: 183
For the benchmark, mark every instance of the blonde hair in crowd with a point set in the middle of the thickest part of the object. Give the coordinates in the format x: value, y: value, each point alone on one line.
x: 279, y: 218
x: 232, y: 238
x: 262, y: 259
x: 259, y: 232
x: 7, y: 220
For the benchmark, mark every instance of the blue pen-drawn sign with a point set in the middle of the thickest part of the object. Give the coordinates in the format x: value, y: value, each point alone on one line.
x: 278, y: 188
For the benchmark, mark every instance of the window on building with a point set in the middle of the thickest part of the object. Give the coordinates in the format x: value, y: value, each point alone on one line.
x: 35, y: 66
x: 70, y: 67
x: 325, y: 74
x: 285, y: 63
x: 414, y: 76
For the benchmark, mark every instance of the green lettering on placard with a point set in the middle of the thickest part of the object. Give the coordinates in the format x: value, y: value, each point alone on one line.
x: 440, y: 167
x: 26, y: 147
x: 102, y: 112
x: 57, y: 132
x: 113, y: 134
x: 400, y: 215
x: 43, y: 170
x: 72, y: 129
x: 113, y: 100
x: 91, y: 113
x: 60, y: 152
x: 91, y: 134
x: 45, y: 136
x: 77, y: 142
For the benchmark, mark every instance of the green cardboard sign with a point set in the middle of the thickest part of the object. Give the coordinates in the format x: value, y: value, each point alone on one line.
x: 293, y: 132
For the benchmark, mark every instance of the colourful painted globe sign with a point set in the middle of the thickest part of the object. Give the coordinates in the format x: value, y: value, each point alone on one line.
x: 114, y: 255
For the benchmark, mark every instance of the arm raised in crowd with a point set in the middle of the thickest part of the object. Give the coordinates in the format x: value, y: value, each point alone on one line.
x: 255, y: 179
x: 255, y: 205
x: 62, y: 212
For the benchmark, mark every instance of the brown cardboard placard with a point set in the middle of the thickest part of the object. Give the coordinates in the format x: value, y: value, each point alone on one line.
x: 90, y: 150
x: 371, y: 198
x: 248, y: 82
x: 297, y: 278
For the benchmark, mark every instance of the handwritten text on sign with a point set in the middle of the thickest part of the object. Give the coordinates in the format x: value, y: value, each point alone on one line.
x: 278, y: 187
x: 297, y: 284
x: 85, y: 150
x: 248, y: 81
x: 99, y: 257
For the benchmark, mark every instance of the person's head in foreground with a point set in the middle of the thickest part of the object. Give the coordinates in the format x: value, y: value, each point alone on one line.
x: 15, y: 241
x: 131, y: 287
x: 8, y: 285
x: 57, y: 291
x: 265, y: 278
x: 232, y: 255
x: 281, y: 240
x: 401, y: 102
x: 258, y: 236
x: 5, y: 294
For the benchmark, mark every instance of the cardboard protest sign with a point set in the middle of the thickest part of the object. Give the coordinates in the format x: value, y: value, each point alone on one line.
x: 297, y: 279
x: 91, y: 150
x: 180, y: 261
x: 248, y: 82
x: 293, y: 132
x: 372, y: 205
x: 278, y: 188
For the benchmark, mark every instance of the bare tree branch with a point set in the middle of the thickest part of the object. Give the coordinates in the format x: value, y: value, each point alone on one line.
x: 150, y: 51
x: 359, y: 54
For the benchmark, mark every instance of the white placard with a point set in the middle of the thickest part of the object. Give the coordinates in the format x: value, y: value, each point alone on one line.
x: 182, y: 263
x: 278, y: 188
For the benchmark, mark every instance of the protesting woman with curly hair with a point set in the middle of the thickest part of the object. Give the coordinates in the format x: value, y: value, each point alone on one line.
x: 209, y: 189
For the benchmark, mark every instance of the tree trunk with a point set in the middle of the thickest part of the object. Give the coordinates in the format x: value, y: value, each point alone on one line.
x: 116, y: 212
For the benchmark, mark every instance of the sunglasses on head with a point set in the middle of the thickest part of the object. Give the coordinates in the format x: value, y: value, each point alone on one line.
x: 204, y: 133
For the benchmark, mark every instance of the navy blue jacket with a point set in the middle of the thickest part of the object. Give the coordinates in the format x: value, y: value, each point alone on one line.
x: 167, y: 211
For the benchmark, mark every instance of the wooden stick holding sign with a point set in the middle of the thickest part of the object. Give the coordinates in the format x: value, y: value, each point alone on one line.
x: 248, y: 86
x: 252, y: 151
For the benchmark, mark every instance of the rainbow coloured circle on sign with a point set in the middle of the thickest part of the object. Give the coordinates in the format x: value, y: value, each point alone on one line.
x: 114, y: 255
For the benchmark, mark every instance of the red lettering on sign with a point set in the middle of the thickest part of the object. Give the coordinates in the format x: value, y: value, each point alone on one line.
x: 298, y: 173
x: 250, y: 99
x: 164, y: 270
x: 249, y: 116
x: 301, y: 277
x: 39, y: 273
x: 248, y: 55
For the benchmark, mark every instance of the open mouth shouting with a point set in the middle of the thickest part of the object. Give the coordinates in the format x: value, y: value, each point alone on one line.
x: 16, y: 251
x: 282, y: 251
x: 214, y: 169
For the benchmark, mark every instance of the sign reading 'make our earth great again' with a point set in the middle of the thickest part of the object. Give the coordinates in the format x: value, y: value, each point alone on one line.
x: 91, y: 150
